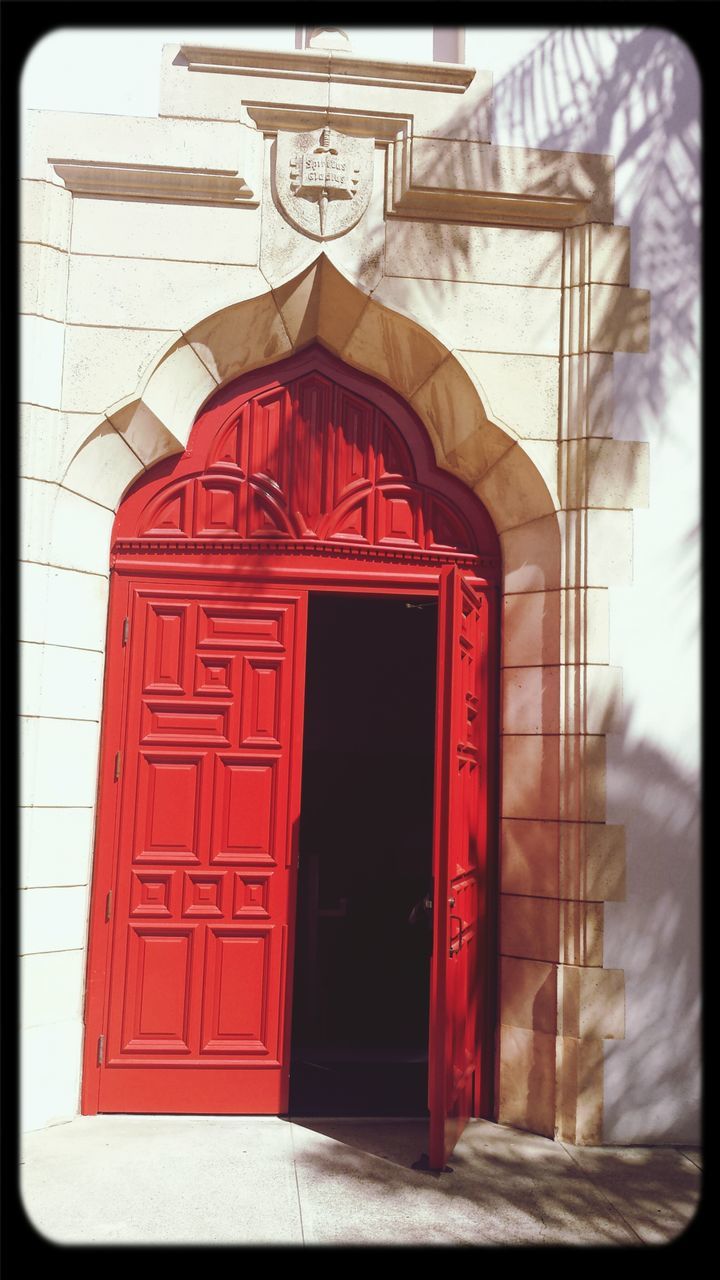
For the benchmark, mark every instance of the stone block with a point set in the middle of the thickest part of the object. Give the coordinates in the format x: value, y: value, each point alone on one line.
x: 528, y: 994
x: 50, y: 1074
x: 483, y: 255
x: 527, y: 1080
x: 465, y: 166
x: 394, y: 349
x: 42, y: 437
x: 176, y: 389
x: 601, y: 872
x: 479, y: 317
x: 521, y: 486
x: 77, y: 428
x: 532, y: 555
x: 609, y: 548
x: 37, y: 507
x: 518, y: 391
x: 55, y: 847
x: 558, y: 931
x: 563, y: 699
x: 240, y: 338
x: 58, y: 763
x: 608, y: 474
x: 52, y: 987
x: 80, y: 534
x: 43, y: 281
x: 449, y: 405
x: 593, y: 545
x: 531, y: 700
x: 321, y: 303
x: 103, y: 468
x: 45, y: 214
x: 609, y: 254
x: 579, y: 1065
x: 619, y: 318
x: 530, y: 857
x: 134, y: 293
x: 541, y: 628
x: 553, y: 777
x: 104, y: 365
x: 61, y: 606
x: 588, y: 395
x: 53, y: 919
x: 143, y: 431
x: 166, y: 231
x: 60, y: 682
x: 584, y: 861
x: 591, y: 1002
x: 41, y: 361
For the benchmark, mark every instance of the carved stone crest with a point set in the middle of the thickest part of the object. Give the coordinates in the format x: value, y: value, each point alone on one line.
x: 323, y: 180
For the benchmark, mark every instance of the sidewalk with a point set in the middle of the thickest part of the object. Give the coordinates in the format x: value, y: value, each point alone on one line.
x: 265, y: 1180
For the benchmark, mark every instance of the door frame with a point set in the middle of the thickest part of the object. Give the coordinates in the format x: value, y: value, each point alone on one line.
x: 355, y: 574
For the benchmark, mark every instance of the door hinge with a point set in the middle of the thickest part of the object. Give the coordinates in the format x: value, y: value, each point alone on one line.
x: 118, y: 757
x: 125, y: 630
x: 108, y: 905
x: 100, y: 1050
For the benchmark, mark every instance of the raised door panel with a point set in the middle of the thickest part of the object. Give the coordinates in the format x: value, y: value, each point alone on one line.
x: 196, y: 1008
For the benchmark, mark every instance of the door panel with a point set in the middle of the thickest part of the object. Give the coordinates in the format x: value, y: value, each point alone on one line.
x: 203, y: 885
x: 459, y: 863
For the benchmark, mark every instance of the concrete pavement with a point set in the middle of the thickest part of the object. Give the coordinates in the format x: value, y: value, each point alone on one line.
x: 266, y: 1180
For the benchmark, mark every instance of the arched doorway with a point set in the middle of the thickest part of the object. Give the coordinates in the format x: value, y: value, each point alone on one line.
x: 305, y: 481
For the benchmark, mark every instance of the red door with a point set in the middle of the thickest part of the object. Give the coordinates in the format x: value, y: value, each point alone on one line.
x: 196, y: 1002
x: 459, y: 864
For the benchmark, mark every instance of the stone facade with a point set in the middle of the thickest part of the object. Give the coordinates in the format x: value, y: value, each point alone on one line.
x: 286, y: 198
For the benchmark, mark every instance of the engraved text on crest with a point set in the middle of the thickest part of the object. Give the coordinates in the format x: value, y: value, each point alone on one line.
x: 323, y: 180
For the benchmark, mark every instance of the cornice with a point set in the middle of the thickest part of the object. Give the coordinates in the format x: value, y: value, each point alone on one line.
x: 384, y: 127
x: 154, y: 182
x: 174, y: 547
x: 315, y: 64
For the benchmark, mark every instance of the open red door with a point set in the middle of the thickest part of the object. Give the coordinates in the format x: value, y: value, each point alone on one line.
x: 459, y: 863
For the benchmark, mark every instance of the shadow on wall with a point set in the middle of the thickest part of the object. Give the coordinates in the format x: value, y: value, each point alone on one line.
x: 658, y: 805
x: 636, y: 96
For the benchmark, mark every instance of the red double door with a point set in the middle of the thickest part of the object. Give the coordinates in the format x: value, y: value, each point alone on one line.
x: 192, y: 935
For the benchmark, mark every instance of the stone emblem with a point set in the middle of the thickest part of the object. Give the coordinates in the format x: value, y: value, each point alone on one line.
x: 323, y: 180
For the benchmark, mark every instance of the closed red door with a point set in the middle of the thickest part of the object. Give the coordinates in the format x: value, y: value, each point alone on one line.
x: 202, y: 888
x: 460, y: 864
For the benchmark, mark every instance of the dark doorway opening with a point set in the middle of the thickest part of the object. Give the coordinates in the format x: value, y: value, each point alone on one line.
x: 362, y: 968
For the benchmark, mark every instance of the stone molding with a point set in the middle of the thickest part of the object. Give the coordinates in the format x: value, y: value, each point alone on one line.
x: 154, y: 182
x: 329, y: 64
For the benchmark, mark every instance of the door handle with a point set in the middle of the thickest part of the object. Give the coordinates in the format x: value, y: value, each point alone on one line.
x: 454, y: 950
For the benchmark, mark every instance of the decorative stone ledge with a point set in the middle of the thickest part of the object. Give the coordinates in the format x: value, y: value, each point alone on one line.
x: 320, y: 64
x: 154, y: 182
